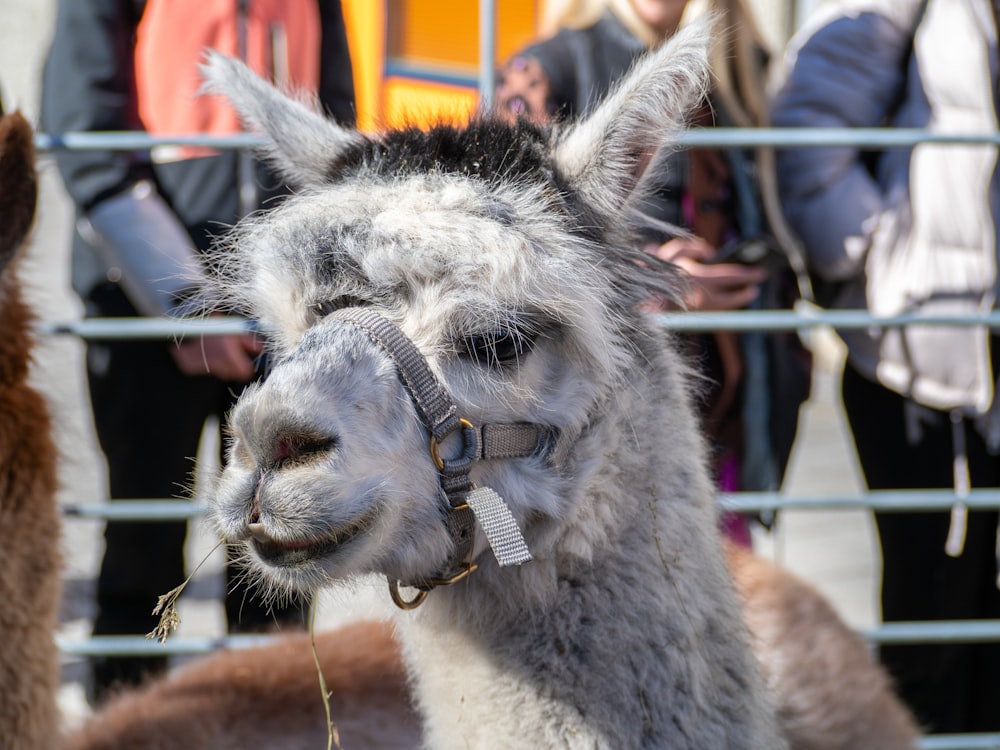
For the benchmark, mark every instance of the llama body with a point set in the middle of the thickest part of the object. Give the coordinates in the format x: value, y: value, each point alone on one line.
x: 829, y: 692
x: 30, y: 563
x: 502, y: 254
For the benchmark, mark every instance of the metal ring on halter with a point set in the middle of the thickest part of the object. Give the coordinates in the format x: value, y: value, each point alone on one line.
x: 465, y: 570
x: 402, y: 603
x: 467, y: 456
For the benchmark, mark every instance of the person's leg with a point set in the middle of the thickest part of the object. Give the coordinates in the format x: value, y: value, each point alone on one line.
x: 148, y: 418
x: 919, y: 580
x: 983, y: 713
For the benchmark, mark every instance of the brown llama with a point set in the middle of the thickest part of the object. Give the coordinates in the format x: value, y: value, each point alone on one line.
x: 829, y: 692
x: 269, y: 698
x: 30, y: 563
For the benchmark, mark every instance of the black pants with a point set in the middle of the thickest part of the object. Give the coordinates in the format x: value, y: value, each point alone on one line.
x: 149, y: 419
x: 950, y: 687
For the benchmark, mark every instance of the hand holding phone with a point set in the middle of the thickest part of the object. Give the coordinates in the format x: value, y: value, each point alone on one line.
x: 753, y: 251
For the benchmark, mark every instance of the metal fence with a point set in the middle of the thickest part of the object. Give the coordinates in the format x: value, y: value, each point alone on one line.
x: 802, y: 319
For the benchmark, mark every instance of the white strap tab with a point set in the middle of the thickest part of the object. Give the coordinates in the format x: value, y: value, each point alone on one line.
x: 498, y: 524
x: 955, y: 543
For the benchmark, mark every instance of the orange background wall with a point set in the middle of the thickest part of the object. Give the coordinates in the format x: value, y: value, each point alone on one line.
x: 428, y: 37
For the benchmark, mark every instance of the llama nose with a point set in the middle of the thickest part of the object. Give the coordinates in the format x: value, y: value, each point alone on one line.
x: 254, y: 520
x: 296, y: 445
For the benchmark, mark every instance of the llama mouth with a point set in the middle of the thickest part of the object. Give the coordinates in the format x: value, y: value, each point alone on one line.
x: 280, y: 553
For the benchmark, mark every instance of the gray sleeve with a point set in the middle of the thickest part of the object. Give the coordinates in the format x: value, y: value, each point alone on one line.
x: 137, y: 233
x: 87, y: 85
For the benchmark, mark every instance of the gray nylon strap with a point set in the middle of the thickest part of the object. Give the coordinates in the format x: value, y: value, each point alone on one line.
x: 435, y: 406
x: 509, y: 440
x: 438, y: 413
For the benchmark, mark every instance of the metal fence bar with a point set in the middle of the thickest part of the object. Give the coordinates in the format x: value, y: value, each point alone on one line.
x: 961, y: 742
x: 805, y: 316
x: 935, y: 631
x: 734, y: 320
x: 136, y: 510
x: 895, y: 633
x: 138, y: 645
x: 121, y: 140
x: 867, y: 138
x: 148, y: 328
x: 888, y: 501
x: 487, y: 51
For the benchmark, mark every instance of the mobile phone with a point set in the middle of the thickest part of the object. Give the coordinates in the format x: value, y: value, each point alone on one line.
x: 752, y: 251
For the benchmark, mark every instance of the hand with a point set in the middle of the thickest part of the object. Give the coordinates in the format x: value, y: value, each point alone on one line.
x: 714, y: 286
x: 228, y: 358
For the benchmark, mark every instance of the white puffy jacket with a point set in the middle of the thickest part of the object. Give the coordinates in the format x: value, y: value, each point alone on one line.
x: 921, y: 233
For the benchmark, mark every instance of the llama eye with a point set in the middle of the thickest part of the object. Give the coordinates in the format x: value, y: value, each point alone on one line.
x: 498, y: 348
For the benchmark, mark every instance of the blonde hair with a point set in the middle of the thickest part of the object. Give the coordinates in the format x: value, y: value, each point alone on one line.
x: 739, y: 64
x: 740, y: 85
x: 578, y: 14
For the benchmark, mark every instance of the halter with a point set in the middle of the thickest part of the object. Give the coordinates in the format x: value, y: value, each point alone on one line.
x: 465, y: 504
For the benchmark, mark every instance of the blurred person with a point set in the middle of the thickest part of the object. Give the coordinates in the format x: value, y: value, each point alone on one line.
x: 145, y: 221
x: 756, y: 381
x: 912, y: 230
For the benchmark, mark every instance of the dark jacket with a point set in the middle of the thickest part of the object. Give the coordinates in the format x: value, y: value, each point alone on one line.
x: 89, y: 85
x: 583, y: 64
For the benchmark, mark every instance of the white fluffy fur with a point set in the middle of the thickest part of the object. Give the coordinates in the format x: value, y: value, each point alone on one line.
x: 624, y: 630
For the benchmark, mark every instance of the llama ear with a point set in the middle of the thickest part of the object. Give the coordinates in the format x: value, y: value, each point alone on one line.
x: 304, y: 144
x: 18, y: 184
x: 607, y: 154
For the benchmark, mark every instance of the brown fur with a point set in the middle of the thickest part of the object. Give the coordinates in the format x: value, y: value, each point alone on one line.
x: 19, y: 183
x: 269, y: 697
x: 29, y: 552
x: 830, y: 693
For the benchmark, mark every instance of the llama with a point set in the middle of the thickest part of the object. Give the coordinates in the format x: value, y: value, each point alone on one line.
x: 829, y: 692
x: 30, y: 564
x: 472, y: 293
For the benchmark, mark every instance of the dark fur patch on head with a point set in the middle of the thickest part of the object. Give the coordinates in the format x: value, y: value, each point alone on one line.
x: 486, y: 149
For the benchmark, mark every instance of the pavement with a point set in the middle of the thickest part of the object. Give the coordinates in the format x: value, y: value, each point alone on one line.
x: 835, y: 550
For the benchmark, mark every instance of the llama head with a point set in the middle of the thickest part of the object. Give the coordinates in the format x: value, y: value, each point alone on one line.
x: 502, y: 253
